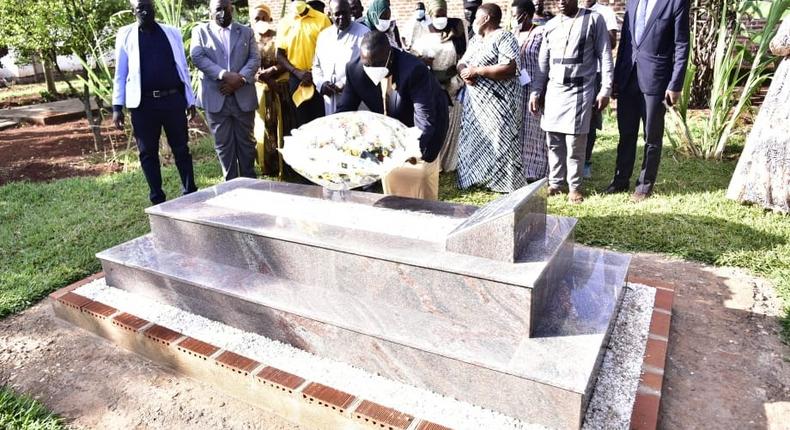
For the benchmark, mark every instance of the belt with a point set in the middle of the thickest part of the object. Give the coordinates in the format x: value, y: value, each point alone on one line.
x: 162, y: 93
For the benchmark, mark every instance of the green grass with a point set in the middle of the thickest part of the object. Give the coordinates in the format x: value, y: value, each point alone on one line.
x: 51, y: 231
x: 23, y: 413
x: 35, y: 89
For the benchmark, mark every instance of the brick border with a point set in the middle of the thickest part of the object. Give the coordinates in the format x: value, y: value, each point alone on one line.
x: 645, y: 414
x: 291, y: 396
x: 326, y: 406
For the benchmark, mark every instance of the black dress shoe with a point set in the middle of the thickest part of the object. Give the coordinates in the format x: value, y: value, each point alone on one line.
x: 613, y: 189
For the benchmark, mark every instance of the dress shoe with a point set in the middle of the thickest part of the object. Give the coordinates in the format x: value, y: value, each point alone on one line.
x: 639, y: 196
x: 613, y: 189
x: 575, y: 197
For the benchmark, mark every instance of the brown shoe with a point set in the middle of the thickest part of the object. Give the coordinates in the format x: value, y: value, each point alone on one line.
x: 554, y: 191
x: 639, y: 197
x: 575, y: 197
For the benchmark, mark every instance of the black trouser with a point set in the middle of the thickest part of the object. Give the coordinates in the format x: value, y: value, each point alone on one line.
x: 147, y: 125
x: 309, y: 109
x: 632, y: 107
x: 596, y: 122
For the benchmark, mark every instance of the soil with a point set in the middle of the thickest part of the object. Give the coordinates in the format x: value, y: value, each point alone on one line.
x: 727, y: 367
x: 43, y: 153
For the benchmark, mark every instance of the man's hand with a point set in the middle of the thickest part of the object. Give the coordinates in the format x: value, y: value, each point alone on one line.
x: 329, y: 89
x: 601, y: 102
x: 305, y: 76
x: 535, y: 104
x: 672, y: 97
x: 118, y: 119
x: 191, y: 113
x: 231, y: 81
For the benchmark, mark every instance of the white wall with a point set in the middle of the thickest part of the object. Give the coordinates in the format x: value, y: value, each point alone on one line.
x: 12, y: 70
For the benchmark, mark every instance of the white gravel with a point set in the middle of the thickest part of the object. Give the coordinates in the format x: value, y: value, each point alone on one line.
x: 613, y: 399
x: 610, y: 406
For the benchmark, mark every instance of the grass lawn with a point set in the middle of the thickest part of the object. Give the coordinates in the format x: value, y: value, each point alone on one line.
x: 34, y: 90
x: 23, y: 413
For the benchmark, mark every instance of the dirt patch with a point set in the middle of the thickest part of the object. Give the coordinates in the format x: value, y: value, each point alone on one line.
x: 42, y: 153
x: 727, y: 367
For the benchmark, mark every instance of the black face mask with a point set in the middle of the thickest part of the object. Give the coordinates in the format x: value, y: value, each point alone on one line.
x: 145, y: 14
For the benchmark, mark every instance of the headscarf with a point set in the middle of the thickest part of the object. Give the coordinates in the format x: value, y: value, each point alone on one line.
x: 264, y: 8
x: 375, y: 9
x: 434, y: 5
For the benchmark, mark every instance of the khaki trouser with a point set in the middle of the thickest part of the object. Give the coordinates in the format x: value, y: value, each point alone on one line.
x: 419, y: 181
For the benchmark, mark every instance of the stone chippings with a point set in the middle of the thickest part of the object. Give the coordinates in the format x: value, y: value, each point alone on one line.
x: 615, y: 391
x: 610, y: 406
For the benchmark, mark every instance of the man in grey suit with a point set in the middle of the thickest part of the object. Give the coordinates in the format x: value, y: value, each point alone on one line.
x: 227, y: 56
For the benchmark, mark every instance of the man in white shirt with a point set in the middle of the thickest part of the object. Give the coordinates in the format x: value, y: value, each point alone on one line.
x: 610, y: 19
x: 336, y: 46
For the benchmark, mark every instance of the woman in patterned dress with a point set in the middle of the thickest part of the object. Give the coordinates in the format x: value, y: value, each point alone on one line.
x: 533, y: 138
x: 440, y: 44
x: 763, y: 172
x: 489, y: 149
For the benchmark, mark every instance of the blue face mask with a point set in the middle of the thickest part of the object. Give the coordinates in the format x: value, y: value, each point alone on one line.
x: 420, y: 14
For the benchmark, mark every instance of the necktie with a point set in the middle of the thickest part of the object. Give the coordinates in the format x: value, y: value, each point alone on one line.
x: 641, y: 20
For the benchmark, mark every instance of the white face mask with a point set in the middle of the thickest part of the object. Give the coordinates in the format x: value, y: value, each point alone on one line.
x: 440, y: 23
x: 515, y: 25
x: 383, y: 25
x: 261, y: 27
x: 377, y: 74
x: 420, y: 14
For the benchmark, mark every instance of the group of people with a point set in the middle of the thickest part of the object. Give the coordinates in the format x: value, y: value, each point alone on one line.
x: 503, y: 104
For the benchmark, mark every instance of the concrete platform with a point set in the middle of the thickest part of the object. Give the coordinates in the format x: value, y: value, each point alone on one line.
x: 8, y: 123
x: 47, y: 113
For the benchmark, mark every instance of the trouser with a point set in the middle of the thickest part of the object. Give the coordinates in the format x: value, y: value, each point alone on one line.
x: 309, y: 109
x: 566, y: 159
x: 147, y: 125
x: 418, y: 181
x: 596, y: 123
x: 233, y: 139
x: 632, y: 107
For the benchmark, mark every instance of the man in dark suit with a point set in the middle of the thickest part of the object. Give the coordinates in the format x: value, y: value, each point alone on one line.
x: 399, y: 85
x: 650, y: 69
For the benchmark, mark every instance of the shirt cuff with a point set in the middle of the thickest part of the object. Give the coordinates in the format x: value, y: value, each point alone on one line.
x: 221, y: 74
x: 117, y: 108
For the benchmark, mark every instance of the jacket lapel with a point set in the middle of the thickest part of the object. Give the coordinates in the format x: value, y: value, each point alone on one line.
x: 658, y: 9
x: 213, y: 31
x: 235, y: 35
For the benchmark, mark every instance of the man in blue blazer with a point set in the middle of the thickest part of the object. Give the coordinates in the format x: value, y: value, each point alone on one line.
x: 399, y: 85
x: 152, y: 81
x: 650, y: 69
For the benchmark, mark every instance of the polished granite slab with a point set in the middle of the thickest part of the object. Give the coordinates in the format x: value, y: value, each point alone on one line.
x: 545, y: 378
x: 502, y: 229
x: 397, y: 246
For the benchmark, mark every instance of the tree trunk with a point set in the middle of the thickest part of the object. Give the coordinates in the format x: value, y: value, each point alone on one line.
x: 48, y: 75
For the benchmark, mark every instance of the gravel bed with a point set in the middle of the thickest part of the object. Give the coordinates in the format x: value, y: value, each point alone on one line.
x: 609, y: 408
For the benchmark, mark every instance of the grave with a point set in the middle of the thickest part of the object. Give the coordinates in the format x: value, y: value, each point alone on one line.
x: 494, y: 306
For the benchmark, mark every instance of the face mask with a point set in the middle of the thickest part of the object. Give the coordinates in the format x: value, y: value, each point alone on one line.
x: 515, y: 25
x: 475, y: 28
x: 383, y: 25
x: 377, y: 74
x: 420, y: 14
x: 440, y: 23
x: 261, y: 27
